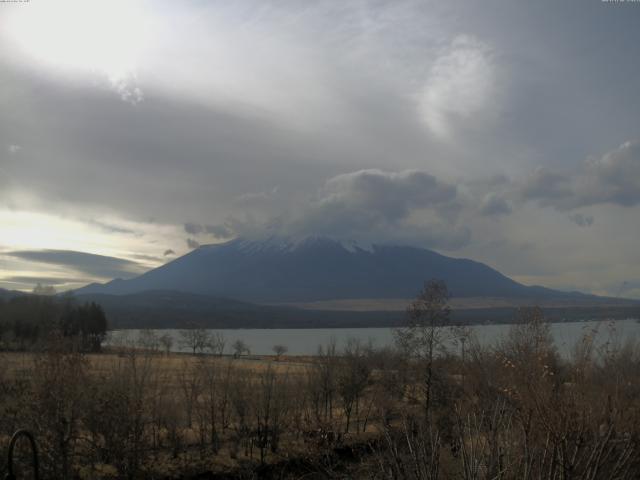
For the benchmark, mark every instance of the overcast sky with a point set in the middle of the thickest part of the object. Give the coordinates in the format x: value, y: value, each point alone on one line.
x: 503, y: 131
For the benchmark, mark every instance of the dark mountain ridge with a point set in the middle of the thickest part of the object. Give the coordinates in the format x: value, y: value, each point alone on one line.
x: 317, y: 268
x: 172, y: 309
x: 8, y: 294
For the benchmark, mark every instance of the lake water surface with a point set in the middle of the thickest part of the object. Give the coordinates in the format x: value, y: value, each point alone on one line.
x: 306, y: 341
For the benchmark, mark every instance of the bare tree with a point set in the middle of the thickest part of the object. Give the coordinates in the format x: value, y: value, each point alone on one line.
x: 119, y: 411
x: 195, y: 338
x: 217, y: 343
x: 424, y: 334
x: 322, y: 382
x: 353, y: 378
x: 59, y: 379
x: 241, y: 403
x: 213, y: 400
x: 166, y: 341
x: 148, y: 340
x: 270, y: 403
x: 240, y: 348
x: 190, y: 386
x: 280, y: 350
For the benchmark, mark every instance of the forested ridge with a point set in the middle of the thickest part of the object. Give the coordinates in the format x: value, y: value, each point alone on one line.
x: 27, y: 321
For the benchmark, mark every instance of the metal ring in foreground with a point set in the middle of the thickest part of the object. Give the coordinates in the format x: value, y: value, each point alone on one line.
x: 34, y: 453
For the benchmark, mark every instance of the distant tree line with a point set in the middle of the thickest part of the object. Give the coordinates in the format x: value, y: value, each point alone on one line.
x: 27, y: 321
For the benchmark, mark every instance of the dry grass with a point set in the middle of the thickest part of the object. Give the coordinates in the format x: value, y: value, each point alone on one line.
x: 513, y: 411
x: 17, y: 363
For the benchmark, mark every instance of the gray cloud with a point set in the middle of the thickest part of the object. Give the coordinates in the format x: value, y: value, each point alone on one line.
x: 88, y: 263
x: 169, y: 252
x: 407, y: 207
x: 205, y: 124
x: 256, y: 199
x: 581, y: 220
x: 218, y: 231
x: 628, y: 288
x: 494, y: 204
x: 374, y: 204
x: 384, y: 196
x: 341, y: 87
x: 612, y: 179
x: 191, y: 243
x: 193, y: 228
x: 107, y: 227
x: 546, y: 186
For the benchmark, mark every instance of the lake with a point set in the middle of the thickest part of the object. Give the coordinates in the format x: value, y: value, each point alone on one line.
x: 306, y: 341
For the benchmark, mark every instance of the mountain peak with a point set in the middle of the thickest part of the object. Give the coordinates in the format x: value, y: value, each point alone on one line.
x: 291, y: 243
x: 279, y: 269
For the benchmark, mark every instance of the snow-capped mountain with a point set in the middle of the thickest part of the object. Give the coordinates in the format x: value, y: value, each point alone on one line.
x: 278, y: 270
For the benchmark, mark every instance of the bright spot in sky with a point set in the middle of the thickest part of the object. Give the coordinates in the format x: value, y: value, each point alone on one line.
x: 108, y: 236
x: 459, y: 86
x: 30, y: 230
x: 105, y: 37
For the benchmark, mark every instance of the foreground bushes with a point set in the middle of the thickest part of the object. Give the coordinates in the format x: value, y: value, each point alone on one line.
x: 514, y: 411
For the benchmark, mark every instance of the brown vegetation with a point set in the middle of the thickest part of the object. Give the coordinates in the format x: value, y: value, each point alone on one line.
x: 514, y: 411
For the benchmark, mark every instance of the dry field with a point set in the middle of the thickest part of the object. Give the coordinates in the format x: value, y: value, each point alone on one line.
x: 512, y: 411
x: 16, y: 362
x: 172, y: 414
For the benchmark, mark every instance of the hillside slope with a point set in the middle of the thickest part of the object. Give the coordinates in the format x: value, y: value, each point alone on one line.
x: 316, y: 269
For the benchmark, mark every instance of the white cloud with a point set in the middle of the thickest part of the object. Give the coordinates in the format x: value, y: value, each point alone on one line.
x: 128, y: 89
x: 80, y: 37
x: 14, y: 148
x: 460, y: 85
